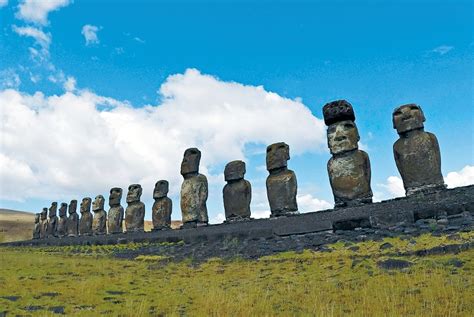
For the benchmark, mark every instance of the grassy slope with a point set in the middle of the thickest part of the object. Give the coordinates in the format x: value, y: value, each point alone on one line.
x: 344, y: 281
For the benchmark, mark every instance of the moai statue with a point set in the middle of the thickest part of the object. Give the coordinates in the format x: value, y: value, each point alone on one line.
x: 349, y: 168
x: 85, y: 224
x: 135, y: 212
x: 37, y: 229
x: 281, y: 183
x: 162, y: 207
x: 62, y: 222
x: 416, y: 152
x: 194, y: 191
x: 99, y: 224
x: 44, y: 223
x: 73, y: 220
x: 115, y: 216
x: 237, y: 192
x: 53, y: 221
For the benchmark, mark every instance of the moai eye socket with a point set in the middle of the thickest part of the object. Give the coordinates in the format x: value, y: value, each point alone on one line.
x: 414, y: 108
x: 397, y: 113
x: 282, y: 146
x: 269, y: 149
x: 348, y: 126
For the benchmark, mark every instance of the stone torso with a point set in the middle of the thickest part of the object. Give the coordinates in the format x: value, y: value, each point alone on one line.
x: 62, y: 226
x: 52, y: 226
x: 237, y: 196
x: 37, y: 231
x: 43, y: 228
x: 85, y: 224
x: 161, y: 213
x: 418, y: 160
x: 349, y: 175
x: 73, y: 224
x: 194, y: 191
x: 135, y: 216
x: 115, y: 219
x: 281, y: 192
x: 99, y: 222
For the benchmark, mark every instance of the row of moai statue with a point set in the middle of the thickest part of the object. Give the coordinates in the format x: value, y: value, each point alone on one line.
x: 416, y: 153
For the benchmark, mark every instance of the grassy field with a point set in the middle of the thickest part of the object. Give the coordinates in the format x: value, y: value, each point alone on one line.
x: 89, y: 281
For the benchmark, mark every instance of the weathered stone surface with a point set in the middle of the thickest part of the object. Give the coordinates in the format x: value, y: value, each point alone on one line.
x: 52, y: 227
x: 135, y: 212
x: 73, y: 220
x: 116, y: 212
x: 37, y: 228
x: 416, y: 152
x: 349, y: 168
x: 100, y: 216
x: 85, y: 224
x: 237, y: 192
x: 194, y: 190
x: 281, y: 183
x: 44, y: 223
x: 162, y: 207
x: 62, y: 222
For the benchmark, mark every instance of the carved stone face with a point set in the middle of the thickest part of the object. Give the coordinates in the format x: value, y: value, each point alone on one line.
x: 134, y: 193
x: 161, y: 189
x: 85, y: 205
x: 44, y: 213
x: 190, y: 163
x: 408, y: 117
x: 52, y: 209
x: 115, y: 196
x: 62, y: 210
x: 72, y: 206
x: 37, y: 218
x: 342, y: 137
x: 234, y: 170
x: 98, y: 203
x: 278, y: 155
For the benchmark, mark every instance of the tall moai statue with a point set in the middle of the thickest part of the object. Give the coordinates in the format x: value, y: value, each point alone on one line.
x: 416, y: 152
x: 194, y: 191
x: 53, y: 220
x: 44, y: 223
x: 135, y: 212
x: 281, y: 183
x: 99, y: 223
x: 237, y: 192
x: 349, y: 168
x: 85, y: 224
x: 115, y: 216
x: 37, y: 228
x: 162, y: 207
x: 73, y: 220
x: 62, y: 222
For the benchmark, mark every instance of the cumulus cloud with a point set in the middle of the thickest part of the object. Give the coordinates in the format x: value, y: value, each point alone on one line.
x: 9, y: 79
x: 308, y: 203
x: 41, y: 38
x: 90, y: 34
x: 463, y: 177
x: 70, y: 84
x: 394, y: 186
x: 79, y: 142
x: 36, y: 11
x: 442, y: 49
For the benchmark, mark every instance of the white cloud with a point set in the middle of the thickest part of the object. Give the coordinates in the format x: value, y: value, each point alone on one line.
x: 308, y: 203
x: 9, y: 79
x: 139, y: 40
x: 463, y: 177
x: 70, y: 84
x: 394, y: 186
x: 443, y: 49
x: 41, y: 38
x: 220, y: 218
x: 90, y: 34
x: 36, y: 11
x: 80, y: 142
x: 3, y: 3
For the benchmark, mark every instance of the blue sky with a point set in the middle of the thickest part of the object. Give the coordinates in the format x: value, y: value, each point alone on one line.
x: 375, y: 54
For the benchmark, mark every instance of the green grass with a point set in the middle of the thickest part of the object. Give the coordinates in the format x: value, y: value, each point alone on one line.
x: 334, y: 283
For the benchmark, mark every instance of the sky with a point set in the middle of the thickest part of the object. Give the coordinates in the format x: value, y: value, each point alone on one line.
x: 99, y: 94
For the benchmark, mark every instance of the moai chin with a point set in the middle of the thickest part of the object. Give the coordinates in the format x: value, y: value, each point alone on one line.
x: 194, y: 191
x: 162, y: 207
x: 62, y: 222
x: 416, y: 152
x: 52, y: 230
x: 237, y: 193
x: 44, y: 223
x: 281, y: 183
x: 115, y: 216
x: 135, y: 212
x: 99, y: 223
x: 85, y: 224
x: 73, y: 220
x: 37, y: 229
x: 349, y: 168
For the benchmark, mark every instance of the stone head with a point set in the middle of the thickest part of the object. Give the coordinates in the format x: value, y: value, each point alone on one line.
x: 62, y: 210
x: 342, y: 136
x: 37, y: 217
x: 53, y: 208
x: 44, y: 213
x: 339, y: 110
x: 86, y: 205
x: 134, y: 193
x: 161, y: 189
x: 72, y: 206
x: 234, y: 170
x: 278, y: 155
x: 115, y: 196
x: 408, y: 117
x: 98, y: 203
x: 190, y: 163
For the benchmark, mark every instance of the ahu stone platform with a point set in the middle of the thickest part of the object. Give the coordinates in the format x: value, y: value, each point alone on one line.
x: 396, y: 214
